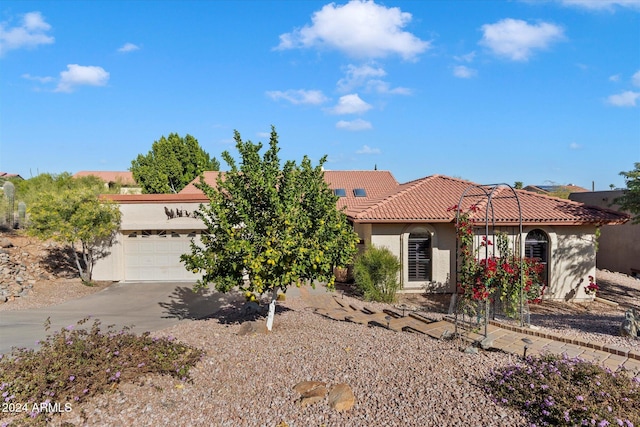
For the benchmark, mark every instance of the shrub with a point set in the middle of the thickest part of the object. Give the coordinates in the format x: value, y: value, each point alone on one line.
x: 75, y: 363
x: 376, y: 274
x: 556, y: 390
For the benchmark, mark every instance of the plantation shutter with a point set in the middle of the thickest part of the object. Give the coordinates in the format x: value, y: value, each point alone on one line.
x: 419, y: 257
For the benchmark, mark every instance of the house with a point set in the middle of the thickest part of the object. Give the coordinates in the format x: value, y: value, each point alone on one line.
x: 618, y: 246
x: 5, y: 176
x: 556, y: 190
x: 414, y: 220
x: 128, y: 184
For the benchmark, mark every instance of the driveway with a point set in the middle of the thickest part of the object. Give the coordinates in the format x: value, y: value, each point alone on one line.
x: 148, y: 306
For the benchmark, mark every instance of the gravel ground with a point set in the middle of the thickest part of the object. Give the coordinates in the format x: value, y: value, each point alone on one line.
x: 399, y: 379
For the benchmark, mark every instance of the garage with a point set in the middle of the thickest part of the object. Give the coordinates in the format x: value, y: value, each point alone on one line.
x: 154, y: 255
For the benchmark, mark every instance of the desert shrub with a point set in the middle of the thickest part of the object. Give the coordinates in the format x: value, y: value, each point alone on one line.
x: 75, y: 363
x: 376, y: 274
x: 556, y: 390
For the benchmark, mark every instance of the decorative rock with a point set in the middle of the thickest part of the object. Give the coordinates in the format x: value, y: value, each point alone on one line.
x: 252, y: 328
x: 630, y: 326
x: 310, y: 392
x: 5, y: 243
x: 341, y: 397
x: 471, y: 350
x: 305, y: 386
x: 486, y: 343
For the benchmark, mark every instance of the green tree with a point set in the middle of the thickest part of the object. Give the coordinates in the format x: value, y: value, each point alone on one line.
x: 270, y: 226
x: 171, y: 164
x: 71, y: 212
x: 630, y: 200
x: 518, y: 185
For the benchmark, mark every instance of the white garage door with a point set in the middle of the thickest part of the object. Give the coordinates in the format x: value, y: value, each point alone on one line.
x: 155, y: 255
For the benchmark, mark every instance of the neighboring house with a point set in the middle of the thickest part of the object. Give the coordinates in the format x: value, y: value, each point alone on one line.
x: 5, y: 176
x: 619, y: 246
x: 128, y: 184
x: 414, y: 220
x: 555, y: 190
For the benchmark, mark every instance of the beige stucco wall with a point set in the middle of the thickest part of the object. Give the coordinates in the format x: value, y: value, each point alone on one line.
x: 142, y: 216
x: 395, y: 238
x: 618, y: 245
x: 571, y: 260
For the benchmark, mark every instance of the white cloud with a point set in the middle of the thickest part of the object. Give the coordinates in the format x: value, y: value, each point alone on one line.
x: 624, y: 99
x: 128, y: 47
x: 350, y: 104
x: 517, y: 40
x: 635, y: 79
x: 575, y: 146
x: 602, y: 4
x: 37, y: 78
x: 357, y: 76
x: 614, y: 78
x: 469, y: 57
x: 360, y: 28
x: 464, y: 72
x: 365, y: 76
x: 299, y: 97
x: 354, y: 125
x: 368, y: 150
x: 81, y: 75
x: 31, y: 33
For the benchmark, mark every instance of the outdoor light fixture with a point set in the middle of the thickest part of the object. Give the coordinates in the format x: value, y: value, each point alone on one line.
x: 527, y: 343
x: 388, y: 319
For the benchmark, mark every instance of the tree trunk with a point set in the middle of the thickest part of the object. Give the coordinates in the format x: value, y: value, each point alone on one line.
x: 272, y: 309
x: 83, y: 275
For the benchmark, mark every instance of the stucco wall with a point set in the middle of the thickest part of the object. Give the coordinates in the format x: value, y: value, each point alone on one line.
x: 395, y: 238
x: 618, y: 245
x: 571, y: 256
x: 142, y: 216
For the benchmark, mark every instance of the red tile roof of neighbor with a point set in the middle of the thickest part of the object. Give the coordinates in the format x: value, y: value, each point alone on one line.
x: 430, y: 199
x: 122, y: 177
x: 210, y: 177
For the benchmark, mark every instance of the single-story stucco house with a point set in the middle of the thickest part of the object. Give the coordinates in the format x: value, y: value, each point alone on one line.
x: 414, y: 220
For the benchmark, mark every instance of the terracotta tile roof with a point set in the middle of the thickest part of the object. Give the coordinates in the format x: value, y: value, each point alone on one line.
x: 210, y: 177
x: 375, y: 183
x: 430, y: 199
x: 6, y: 175
x: 122, y: 177
x: 156, y: 198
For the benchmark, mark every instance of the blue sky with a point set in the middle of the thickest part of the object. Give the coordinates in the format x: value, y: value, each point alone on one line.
x: 490, y: 91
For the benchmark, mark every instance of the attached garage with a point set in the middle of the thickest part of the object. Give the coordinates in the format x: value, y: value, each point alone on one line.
x: 154, y: 255
x: 155, y: 230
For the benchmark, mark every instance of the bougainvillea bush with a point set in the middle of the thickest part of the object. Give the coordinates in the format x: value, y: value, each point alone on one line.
x: 508, y: 278
x: 553, y: 390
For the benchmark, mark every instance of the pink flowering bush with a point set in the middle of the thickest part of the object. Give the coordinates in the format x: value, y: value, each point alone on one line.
x: 592, y: 288
x: 560, y: 391
x: 75, y: 363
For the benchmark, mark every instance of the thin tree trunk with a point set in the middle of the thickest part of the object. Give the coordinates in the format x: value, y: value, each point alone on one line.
x: 75, y: 257
x: 272, y: 308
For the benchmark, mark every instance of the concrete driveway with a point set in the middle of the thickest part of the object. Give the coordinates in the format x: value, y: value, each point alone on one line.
x: 147, y: 306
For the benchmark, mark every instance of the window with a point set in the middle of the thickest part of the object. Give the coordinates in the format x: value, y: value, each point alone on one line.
x: 359, y: 192
x: 146, y: 233
x: 162, y: 233
x: 536, y: 246
x: 340, y: 192
x: 132, y: 235
x: 419, y: 257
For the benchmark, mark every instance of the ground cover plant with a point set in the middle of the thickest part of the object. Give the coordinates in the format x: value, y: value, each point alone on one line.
x: 77, y: 362
x: 553, y: 390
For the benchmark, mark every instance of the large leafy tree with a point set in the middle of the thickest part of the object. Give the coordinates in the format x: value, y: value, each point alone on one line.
x: 70, y: 211
x: 270, y: 226
x: 630, y: 200
x: 171, y: 164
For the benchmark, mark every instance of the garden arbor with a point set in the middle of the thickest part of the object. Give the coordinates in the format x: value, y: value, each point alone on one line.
x: 492, y: 275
